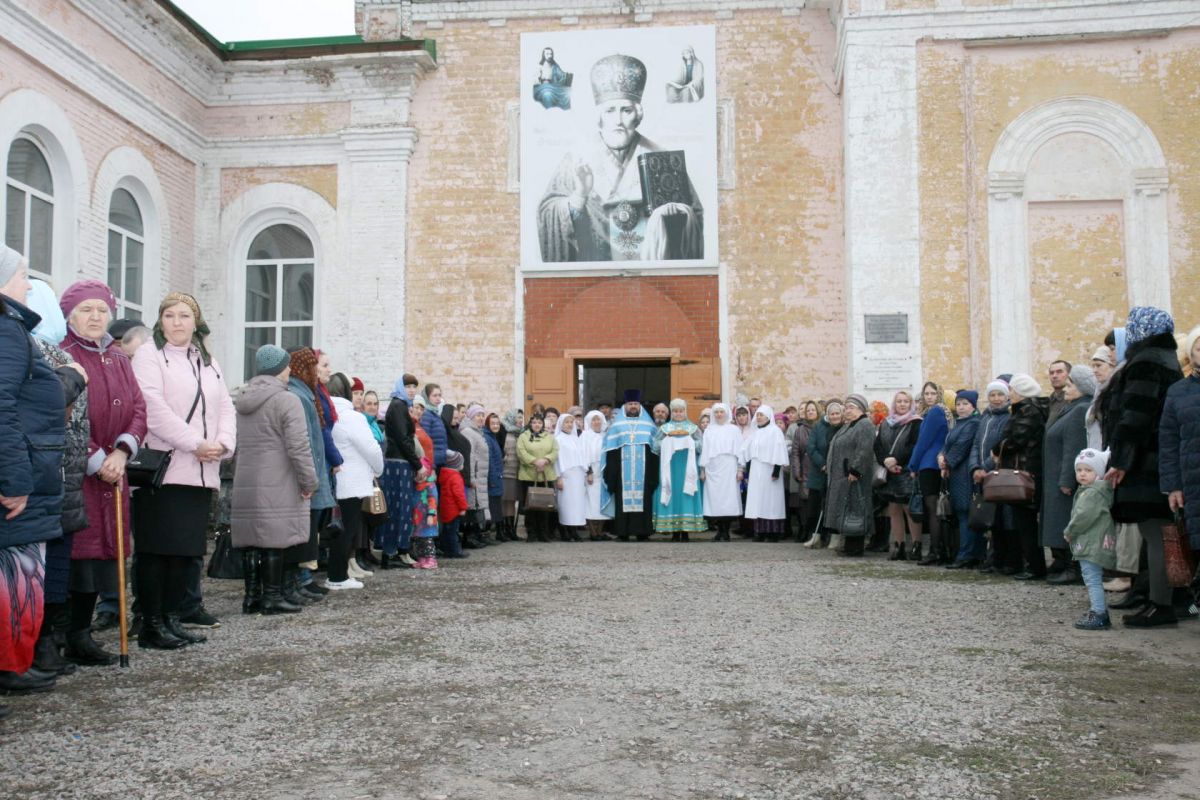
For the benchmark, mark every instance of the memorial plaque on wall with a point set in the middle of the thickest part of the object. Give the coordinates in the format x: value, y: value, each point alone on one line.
x: 886, y: 328
x: 885, y: 373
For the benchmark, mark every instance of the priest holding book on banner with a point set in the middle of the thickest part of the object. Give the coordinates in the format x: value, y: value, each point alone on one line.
x: 624, y: 198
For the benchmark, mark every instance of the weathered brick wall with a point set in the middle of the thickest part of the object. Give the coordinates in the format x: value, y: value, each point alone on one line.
x: 780, y: 236
x: 321, y: 178
x: 615, y: 313
x: 99, y: 131
x: 967, y: 97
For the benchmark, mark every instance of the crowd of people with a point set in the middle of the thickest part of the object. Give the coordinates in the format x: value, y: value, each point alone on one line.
x: 317, y: 483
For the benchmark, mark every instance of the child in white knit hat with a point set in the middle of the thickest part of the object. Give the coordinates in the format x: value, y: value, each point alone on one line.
x: 1092, y: 534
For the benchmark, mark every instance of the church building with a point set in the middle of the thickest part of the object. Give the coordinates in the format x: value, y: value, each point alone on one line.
x: 545, y: 199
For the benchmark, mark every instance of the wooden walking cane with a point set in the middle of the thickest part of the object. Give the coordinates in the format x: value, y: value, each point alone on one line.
x: 119, y: 490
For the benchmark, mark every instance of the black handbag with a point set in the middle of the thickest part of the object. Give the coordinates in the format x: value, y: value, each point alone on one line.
x: 226, y: 560
x: 982, y: 515
x: 148, y: 468
x: 945, y: 506
x: 916, y: 506
x: 854, y: 522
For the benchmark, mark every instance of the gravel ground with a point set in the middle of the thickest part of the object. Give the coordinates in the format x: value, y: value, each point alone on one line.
x: 652, y: 670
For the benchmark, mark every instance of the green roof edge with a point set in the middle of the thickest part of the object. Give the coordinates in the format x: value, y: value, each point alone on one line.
x: 268, y: 45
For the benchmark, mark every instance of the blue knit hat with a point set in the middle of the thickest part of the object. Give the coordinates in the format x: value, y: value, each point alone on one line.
x: 1147, y: 321
x: 271, y: 360
x: 970, y: 395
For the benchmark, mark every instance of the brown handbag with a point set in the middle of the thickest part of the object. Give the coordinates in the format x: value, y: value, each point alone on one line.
x: 1176, y: 554
x: 376, y: 502
x: 1014, y: 487
x: 541, y: 498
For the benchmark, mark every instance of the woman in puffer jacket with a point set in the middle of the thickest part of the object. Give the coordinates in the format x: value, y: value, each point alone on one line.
x: 362, y: 463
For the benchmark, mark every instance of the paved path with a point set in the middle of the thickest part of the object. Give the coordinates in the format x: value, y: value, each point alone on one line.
x: 706, y: 670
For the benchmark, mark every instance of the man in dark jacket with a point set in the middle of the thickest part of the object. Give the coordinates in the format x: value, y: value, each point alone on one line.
x: 1138, y: 393
x: 32, y: 432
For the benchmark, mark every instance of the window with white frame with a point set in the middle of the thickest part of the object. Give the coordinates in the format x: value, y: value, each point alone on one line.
x: 126, y: 254
x: 280, y: 268
x: 29, y: 209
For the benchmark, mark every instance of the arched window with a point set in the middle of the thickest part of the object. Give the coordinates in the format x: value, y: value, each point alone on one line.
x: 279, y: 290
x: 29, y: 209
x: 126, y: 254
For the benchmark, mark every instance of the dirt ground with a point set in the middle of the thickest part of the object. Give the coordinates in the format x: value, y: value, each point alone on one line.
x: 655, y: 670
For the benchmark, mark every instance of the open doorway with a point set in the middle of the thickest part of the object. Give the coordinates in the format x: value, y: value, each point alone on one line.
x: 606, y: 381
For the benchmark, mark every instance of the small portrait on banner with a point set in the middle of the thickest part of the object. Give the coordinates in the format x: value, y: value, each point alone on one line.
x: 553, y: 87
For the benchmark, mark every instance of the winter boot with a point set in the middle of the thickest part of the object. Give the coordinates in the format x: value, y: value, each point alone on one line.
x: 155, y: 635
x: 191, y: 637
x: 897, y: 552
x: 252, y: 600
x: 82, y: 650
x: 835, y: 541
x: 271, y: 570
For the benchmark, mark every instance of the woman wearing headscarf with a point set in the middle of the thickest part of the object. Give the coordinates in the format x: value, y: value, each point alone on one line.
x: 923, y: 464
x: 493, y: 430
x: 720, y: 471
x: 818, y: 473
x: 800, y: 463
x: 851, y: 464
x: 894, y: 445
x: 32, y: 438
x: 993, y: 421
x: 479, y: 466
x: 765, y: 456
x: 1131, y: 433
x: 117, y: 415
x: 402, y: 465
x: 1065, y: 438
x: 1021, y: 448
x: 538, y: 451
x: 468, y: 530
x: 592, y: 440
x: 190, y: 413
x: 432, y: 424
x: 678, y: 500
x: 303, y: 384
x: 955, y: 463
x: 362, y: 463
x: 572, y: 465
x: 704, y: 420
x: 512, y: 424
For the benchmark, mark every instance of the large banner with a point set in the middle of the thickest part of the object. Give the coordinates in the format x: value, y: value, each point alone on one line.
x: 619, y: 148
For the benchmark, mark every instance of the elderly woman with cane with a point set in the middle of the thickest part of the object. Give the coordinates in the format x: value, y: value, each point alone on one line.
x: 117, y: 414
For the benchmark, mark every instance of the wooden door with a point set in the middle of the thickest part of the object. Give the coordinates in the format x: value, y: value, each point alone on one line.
x: 550, y: 381
x: 698, y: 381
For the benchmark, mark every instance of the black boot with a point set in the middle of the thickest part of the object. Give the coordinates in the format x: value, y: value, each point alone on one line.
x: 82, y: 650
x: 32, y: 680
x: 271, y: 571
x: 897, y: 552
x: 683, y: 537
x: 291, y: 589
x: 47, y: 653
x: 252, y: 600
x: 915, y: 553
x: 934, y: 556
x: 191, y: 637
x: 367, y: 558
x: 155, y: 635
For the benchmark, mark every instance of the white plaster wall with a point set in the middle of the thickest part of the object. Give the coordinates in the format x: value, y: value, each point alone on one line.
x: 882, y: 213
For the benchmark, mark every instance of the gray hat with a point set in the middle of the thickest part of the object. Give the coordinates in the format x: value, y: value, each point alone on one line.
x: 271, y: 360
x: 9, y: 261
x: 1083, y: 379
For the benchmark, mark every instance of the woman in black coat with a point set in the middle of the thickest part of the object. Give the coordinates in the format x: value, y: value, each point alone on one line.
x: 1021, y: 448
x: 1179, y: 443
x: 1138, y: 394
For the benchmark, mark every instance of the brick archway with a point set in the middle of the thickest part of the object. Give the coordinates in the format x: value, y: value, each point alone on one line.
x: 621, y: 313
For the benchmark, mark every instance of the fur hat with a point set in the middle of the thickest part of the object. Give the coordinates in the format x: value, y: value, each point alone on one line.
x: 1083, y: 379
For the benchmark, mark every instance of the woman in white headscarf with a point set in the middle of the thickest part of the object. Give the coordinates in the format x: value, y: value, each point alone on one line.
x: 719, y: 471
x: 765, y: 456
x: 572, y: 479
x: 592, y: 441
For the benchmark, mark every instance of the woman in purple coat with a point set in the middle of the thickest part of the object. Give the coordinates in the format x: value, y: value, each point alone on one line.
x: 117, y: 415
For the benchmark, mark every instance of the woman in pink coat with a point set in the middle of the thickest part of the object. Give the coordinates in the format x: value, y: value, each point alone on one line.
x: 117, y: 415
x: 189, y: 412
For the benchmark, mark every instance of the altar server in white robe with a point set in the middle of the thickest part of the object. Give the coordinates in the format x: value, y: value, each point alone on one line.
x: 720, y: 454
x: 765, y: 457
x: 592, y: 439
x: 572, y: 479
